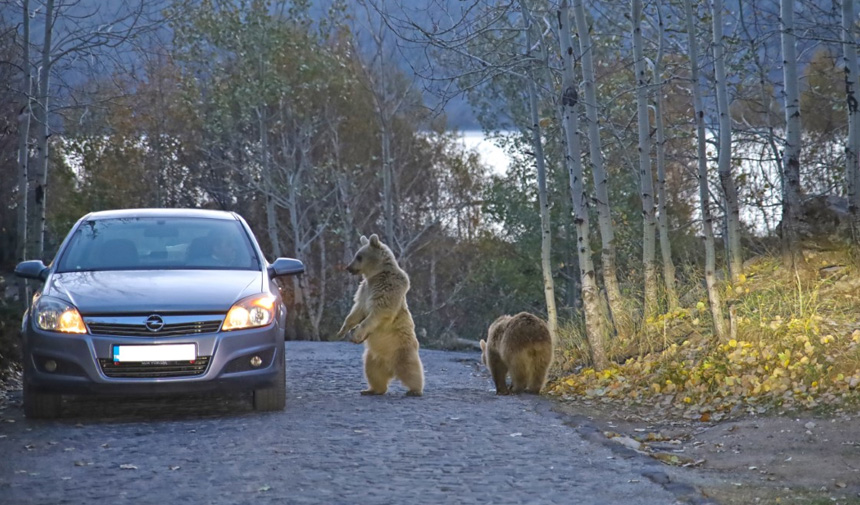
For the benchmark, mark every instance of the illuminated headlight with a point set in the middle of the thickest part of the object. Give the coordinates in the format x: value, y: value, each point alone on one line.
x: 56, y: 315
x: 251, y: 312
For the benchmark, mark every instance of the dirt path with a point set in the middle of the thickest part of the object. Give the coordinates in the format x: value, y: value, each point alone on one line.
x: 788, y: 459
x: 748, y: 460
x: 460, y: 443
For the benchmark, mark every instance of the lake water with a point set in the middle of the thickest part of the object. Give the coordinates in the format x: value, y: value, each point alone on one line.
x: 493, y: 156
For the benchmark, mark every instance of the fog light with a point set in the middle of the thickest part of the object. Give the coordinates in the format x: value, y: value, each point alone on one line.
x: 256, y: 361
x: 51, y: 366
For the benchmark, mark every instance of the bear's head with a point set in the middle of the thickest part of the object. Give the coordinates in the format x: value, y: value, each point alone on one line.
x: 371, y: 257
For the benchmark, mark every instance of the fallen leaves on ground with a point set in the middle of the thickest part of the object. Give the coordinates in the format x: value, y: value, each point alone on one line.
x: 793, y: 348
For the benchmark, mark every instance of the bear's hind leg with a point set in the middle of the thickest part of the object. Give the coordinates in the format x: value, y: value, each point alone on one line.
x: 378, y: 374
x: 540, y: 368
x: 410, y: 371
x: 499, y: 371
x: 537, y: 382
x: 519, y: 378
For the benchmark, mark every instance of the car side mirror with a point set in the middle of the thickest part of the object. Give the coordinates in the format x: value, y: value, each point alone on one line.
x: 32, y: 269
x: 286, y: 266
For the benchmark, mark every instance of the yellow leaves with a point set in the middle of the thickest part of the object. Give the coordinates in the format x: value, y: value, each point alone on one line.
x: 795, y: 324
x: 785, y: 359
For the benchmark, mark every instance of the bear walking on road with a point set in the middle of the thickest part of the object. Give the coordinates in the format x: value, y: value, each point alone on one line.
x: 382, y: 321
x: 521, y: 345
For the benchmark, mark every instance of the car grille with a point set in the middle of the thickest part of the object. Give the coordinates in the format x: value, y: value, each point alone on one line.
x: 154, y: 369
x: 140, y: 330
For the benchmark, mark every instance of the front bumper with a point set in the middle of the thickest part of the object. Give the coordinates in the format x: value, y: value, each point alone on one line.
x: 79, y: 370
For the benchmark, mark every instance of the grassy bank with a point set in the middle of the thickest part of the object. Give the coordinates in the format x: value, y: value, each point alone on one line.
x: 795, y: 343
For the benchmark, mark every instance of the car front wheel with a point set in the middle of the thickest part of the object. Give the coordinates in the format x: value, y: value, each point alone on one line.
x: 38, y: 405
x: 275, y: 397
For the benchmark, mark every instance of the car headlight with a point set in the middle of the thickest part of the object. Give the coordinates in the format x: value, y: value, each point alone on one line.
x: 251, y: 312
x: 56, y: 315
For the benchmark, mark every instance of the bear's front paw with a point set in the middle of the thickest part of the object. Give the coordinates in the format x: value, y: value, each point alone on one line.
x: 357, y: 339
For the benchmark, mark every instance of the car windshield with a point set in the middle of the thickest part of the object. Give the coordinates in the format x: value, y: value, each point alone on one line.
x: 159, y: 243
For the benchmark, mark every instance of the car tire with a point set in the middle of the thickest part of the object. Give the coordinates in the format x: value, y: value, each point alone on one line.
x: 38, y: 405
x: 275, y: 397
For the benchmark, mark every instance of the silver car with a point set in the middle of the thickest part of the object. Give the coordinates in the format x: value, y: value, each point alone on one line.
x: 155, y: 301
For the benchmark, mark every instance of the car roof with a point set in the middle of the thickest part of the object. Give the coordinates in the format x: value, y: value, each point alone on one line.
x: 132, y: 213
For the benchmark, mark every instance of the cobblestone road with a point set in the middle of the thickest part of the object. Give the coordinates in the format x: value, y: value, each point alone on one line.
x: 458, y: 444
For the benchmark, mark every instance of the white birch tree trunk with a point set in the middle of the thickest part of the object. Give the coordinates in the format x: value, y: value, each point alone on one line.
x: 317, y: 313
x: 601, y: 191
x: 38, y: 176
x: 295, y: 182
x: 765, y: 94
x: 271, y: 213
x: 387, y: 182
x: 791, y: 154
x: 714, y: 299
x: 852, y: 146
x: 595, y: 322
x: 646, y: 177
x: 24, y: 155
x: 540, y: 162
x: 724, y: 163
x: 662, y: 218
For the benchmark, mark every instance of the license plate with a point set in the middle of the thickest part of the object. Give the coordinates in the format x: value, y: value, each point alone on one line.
x: 150, y: 353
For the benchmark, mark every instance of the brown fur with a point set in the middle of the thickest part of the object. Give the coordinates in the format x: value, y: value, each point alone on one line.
x: 382, y: 321
x: 522, y: 346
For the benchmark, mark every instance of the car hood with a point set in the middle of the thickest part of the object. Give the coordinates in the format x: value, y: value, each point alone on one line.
x: 147, y: 291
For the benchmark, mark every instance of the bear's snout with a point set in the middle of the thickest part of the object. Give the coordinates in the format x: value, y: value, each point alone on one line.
x: 351, y: 268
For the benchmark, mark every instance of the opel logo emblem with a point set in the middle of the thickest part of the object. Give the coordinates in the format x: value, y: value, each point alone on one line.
x: 154, y: 323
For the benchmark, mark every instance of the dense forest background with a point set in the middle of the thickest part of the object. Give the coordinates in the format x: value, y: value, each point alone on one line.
x: 655, y: 146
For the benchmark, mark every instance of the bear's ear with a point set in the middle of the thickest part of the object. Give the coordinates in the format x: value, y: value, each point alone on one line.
x: 483, y: 345
x: 374, y: 240
x: 363, y: 240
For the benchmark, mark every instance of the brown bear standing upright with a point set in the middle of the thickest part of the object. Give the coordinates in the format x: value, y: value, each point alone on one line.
x: 521, y: 345
x: 384, y: 321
